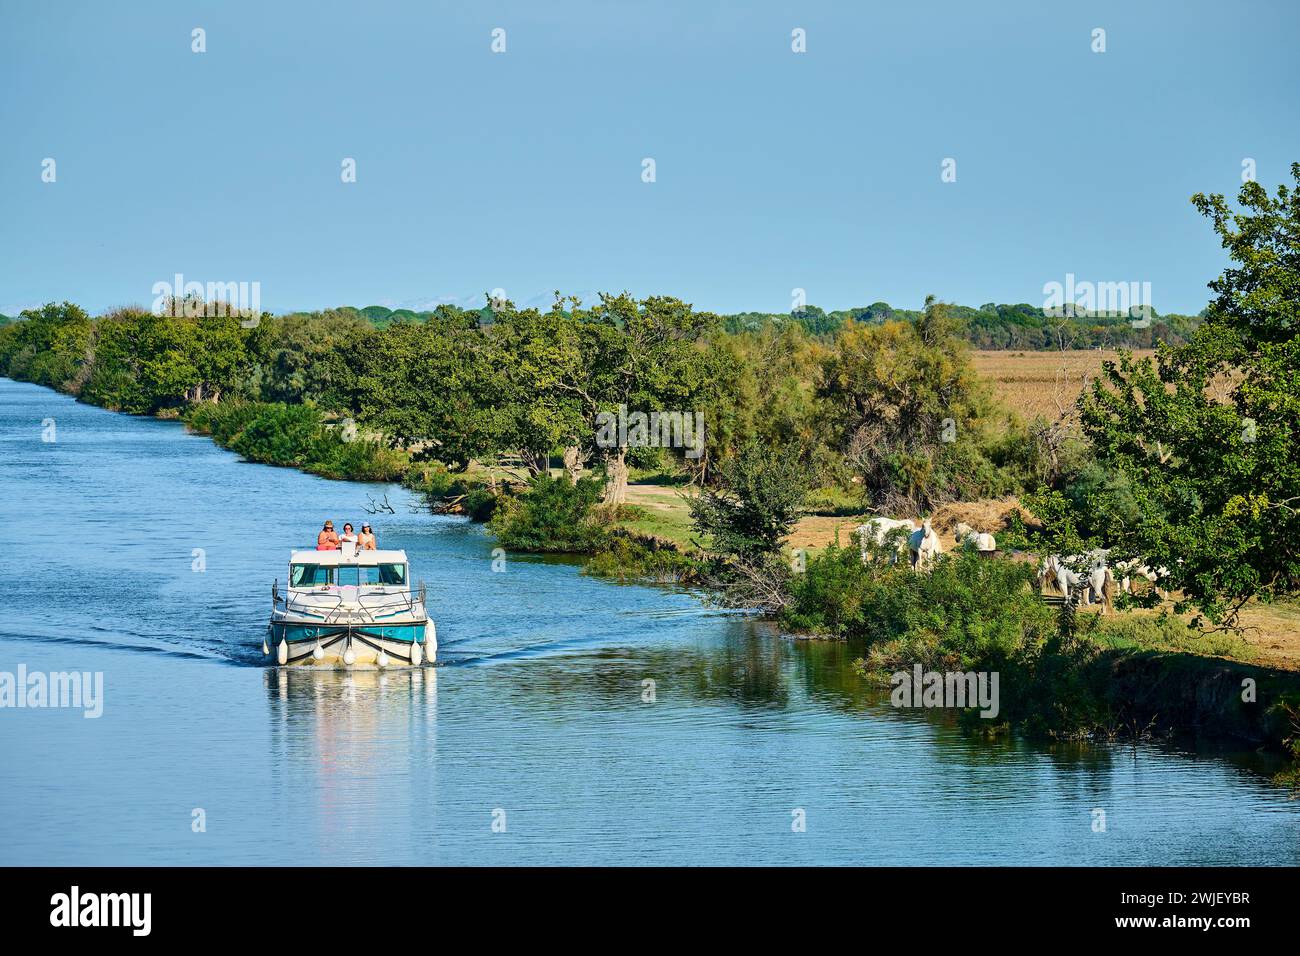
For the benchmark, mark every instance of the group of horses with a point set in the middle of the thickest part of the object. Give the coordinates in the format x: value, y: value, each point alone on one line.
x: 1083, y: 578
x: 1093, y: 577
x: 920, y: 544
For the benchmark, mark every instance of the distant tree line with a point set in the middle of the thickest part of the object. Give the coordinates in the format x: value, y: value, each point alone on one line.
x: 1009, y: 327
x: 990, y: 326
x: 889, y: 410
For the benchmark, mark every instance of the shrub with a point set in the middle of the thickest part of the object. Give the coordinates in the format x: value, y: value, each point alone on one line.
x: 552, y: 515
x: 628, y: 556
x: 966, y: 610
x: 280, y: 435
x: 294, y: 435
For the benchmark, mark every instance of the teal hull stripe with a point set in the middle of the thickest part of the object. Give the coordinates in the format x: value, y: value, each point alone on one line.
x: 293, y: 633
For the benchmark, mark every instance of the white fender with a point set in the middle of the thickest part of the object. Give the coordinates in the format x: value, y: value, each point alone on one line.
x: 282, y: 652
x: 349, y: 655
x: 415, y: 654
x: 265, y: 650
x: 317, y: 652
x: 382, y: 659
x: 430, y: 639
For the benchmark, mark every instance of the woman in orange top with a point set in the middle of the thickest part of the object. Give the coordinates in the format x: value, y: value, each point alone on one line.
x: 327, y: 540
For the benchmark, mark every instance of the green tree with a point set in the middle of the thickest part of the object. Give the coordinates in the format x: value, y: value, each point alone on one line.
x: 646, y: 355
x: 1206, y: 434
x: 904, y: 406
x: 747, y: 516
x: 429, y: 386
x: 48, y: 346
x: 758, y: 498
x: 536, y: 355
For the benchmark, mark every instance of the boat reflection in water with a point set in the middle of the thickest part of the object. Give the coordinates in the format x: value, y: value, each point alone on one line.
x: 362, y: 746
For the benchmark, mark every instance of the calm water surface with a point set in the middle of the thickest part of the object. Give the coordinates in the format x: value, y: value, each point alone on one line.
x: 535, y: 708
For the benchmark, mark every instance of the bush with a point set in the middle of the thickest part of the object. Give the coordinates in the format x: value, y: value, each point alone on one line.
x: 552, y: 515
x: 296, y: 436
x: 967, y: 611
x: 280, y: 435
x: 480, y: 504
x: 628, y: 556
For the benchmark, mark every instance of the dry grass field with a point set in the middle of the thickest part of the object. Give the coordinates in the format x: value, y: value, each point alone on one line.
x: 1041, y: 383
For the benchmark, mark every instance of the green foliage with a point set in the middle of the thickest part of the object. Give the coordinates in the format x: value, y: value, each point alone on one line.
x: 967, y: 610
x: 552, y: 515
x: 627, y: 556
x: 448, y: 493
x: 759, y: 497
x: 1205, y: 437
x: 1012, y: 327
x: 295, y: 436
x: 480, y: 504
x: 429, y: 386
x: 290, y: 357
x: 904, y: 407
x: 280, y: 435
x: 47, y: 347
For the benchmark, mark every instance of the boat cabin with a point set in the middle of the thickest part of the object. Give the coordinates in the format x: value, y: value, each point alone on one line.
x: 328, y: 570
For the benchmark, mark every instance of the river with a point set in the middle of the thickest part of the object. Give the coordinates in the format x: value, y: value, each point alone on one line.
x: 144, y: 553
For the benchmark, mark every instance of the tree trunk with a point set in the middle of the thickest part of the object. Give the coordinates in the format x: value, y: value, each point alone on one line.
x: 534, y: 462
x: 616, y: 474
x: 573, y: 463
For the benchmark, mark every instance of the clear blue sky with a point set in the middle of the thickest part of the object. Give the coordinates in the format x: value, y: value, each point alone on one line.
x: 522, y: 170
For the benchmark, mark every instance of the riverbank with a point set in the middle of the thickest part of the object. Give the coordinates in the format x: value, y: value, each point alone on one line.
x: 1137, y: 675
x: 539, y: 706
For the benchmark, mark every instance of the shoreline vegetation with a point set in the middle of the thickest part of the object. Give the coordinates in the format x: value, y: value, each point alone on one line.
x: 1181, y: 460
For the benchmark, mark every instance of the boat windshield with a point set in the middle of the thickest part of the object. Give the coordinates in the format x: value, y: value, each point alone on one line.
x: 346, y: 575
x: 391, y: 573
x: 308, y: 575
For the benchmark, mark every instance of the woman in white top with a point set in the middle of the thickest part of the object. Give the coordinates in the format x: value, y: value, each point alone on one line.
x: 348, y: 541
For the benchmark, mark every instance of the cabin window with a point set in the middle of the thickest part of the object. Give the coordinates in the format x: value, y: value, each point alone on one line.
x: 392, y: 574
x: 308, y: 575
x: 348, y: 577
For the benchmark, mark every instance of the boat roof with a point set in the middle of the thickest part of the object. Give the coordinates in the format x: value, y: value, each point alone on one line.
x: 363, y: 558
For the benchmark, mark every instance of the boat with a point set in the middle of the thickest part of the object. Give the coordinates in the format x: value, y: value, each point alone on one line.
x: 350, y: 608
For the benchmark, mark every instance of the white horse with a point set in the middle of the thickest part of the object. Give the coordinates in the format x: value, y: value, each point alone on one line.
x: 923, y: 546
x: 1056, y: 570
x: 1101, y: 586
x: 1136, y: 567
x: 1086, y: 575
x: 981, y: 541
x: 877, y: 531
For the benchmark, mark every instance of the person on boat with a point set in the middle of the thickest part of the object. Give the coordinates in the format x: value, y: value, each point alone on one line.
x: 327, y: 540
x: 366, y: 540
x: 348, y: 540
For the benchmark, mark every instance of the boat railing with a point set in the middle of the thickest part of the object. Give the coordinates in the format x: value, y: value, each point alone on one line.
x: 369, y: 603
x: 383, y: 602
